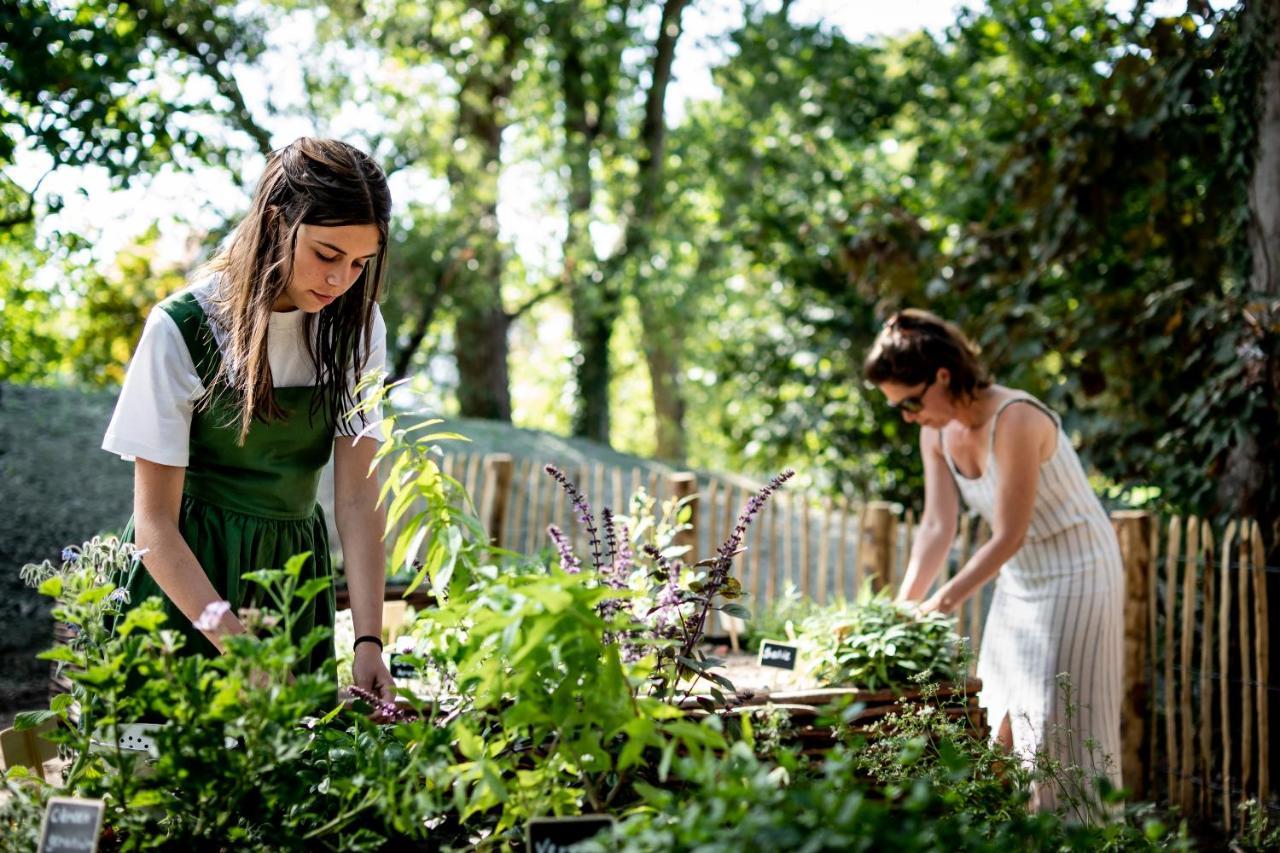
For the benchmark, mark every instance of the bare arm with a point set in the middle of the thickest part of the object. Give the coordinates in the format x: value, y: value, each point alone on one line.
x: 937, y: 523
x: 361, y: 521
x: 157, y: 499
x: 1023, y: 437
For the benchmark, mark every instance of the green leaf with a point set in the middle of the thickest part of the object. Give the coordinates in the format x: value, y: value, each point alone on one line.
x: 51, y: 587
x: 312, y: 588
x: 27, y: 720
x: 293, y: 566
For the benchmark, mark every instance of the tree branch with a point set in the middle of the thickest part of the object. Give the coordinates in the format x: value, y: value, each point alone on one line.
x: 534, y: 300
x: 208, y: 61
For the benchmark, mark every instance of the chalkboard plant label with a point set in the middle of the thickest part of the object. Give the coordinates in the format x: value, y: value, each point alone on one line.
x: 71, y: 825
x: 557, y: 834
x: 402, y: 666
x: 778, y: 655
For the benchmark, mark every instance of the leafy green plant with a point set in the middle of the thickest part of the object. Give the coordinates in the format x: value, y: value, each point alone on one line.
x: 877, y: 643
x: 250, y: 754
x: 779, y: 619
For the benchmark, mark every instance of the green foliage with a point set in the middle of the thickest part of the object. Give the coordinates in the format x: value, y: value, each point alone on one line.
x: 89, y: 82
x: 242, y: 731
x: 878, y: 643
x: 778, y: 619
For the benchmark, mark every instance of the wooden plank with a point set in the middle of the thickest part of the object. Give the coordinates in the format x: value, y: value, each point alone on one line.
x: 684, y: 485
x: 755, y: 574
x: 1187, y: 760
x: 1207, y: 596
x: 874, y: 546
x: 1153, y: 637
x: 771, y: 589
x: 729, y: 500
x: 859, y: 578
x: 546, y: 504
x: 1224, y: 664
x: 827, y: 513
x: 620, y: 502
x: 1244, y: 575
x: 1133, y: 531
x: 788, y: 541
x: 1262, y: 648
x: 806, y: 550
x: 514, y: 534
x: 845, y: 579
x: 1172, y: 554
x: 472, y: 484
x: 499, y: 468
x: 714, y: 536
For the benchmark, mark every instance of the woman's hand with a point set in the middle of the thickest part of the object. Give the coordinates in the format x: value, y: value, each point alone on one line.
x: 371, y: 673
x: 939, y: 602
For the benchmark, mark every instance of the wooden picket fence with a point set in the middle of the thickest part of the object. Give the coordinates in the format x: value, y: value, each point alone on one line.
x: 823, y: 547
x: 1196, y: 727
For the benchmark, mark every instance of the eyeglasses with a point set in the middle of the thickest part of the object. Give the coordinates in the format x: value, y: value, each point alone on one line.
x: 915, y: 403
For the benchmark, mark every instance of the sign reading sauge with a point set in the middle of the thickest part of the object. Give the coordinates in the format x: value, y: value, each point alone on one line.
x: 778, y: 654
x: 71, y: 825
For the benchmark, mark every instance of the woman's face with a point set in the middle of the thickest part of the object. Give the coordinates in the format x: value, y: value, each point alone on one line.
x: 327, y: 260
x: 925, y: 403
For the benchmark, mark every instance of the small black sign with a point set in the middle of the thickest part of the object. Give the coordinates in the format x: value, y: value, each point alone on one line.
x: 71, y: 825
x: 555, y: 834
x: 400, y: 666
x: 778, y: 654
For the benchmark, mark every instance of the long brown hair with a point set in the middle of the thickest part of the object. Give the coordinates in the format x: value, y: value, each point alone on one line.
x: 914, y: 344
x: 309, y: 182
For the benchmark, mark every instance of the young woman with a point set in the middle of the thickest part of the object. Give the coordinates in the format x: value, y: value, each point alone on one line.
x: 235, y: 399
x: 1058, y: 600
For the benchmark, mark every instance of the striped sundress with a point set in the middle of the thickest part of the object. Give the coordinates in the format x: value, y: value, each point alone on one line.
x: 1057, y: 608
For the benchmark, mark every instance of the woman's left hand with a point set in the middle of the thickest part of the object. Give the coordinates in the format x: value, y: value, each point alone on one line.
x: 371, y: 673
x: 936, y: 603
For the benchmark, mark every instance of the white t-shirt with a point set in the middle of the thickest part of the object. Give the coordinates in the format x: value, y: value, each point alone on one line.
x: 152, y: 418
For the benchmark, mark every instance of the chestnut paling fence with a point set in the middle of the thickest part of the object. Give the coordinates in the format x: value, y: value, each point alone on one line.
x: 1199, y: 696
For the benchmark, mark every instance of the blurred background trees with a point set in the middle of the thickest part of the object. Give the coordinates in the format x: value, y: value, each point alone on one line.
x: 584, y: 245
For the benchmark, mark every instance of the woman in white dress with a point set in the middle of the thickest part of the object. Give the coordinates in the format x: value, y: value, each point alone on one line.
x: 1057, y: 606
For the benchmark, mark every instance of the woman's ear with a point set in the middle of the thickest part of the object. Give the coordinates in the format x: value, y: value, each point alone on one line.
x: 942, y: 377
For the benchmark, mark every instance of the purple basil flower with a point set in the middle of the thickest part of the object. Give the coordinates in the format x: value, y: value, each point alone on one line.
x: 583, y: 509
x: 568, y: 561
x: 69, y: 554
x: 119, y: 595
x: 382, y: 712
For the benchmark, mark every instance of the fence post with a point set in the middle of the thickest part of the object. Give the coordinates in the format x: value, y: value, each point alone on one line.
x: 1134, y: 529
x: 684, y: 484
x: 875, y: 546
x: 498, y: 468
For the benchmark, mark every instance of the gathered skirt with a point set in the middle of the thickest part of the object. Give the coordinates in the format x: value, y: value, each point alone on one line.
x: 230, y: 544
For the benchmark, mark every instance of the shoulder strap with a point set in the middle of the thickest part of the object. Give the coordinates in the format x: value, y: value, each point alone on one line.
x: 1021, y: 398
x: 185, y: 310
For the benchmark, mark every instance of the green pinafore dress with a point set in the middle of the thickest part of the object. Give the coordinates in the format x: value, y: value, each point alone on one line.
x: 251, y: 506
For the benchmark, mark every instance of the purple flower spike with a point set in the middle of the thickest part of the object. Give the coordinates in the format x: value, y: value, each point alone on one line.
x: 382, y: 712
x: 583, y: 509
x: 568, y: 561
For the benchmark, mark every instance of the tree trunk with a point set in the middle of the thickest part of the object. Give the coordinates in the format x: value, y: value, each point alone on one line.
x: 1248, y: 486
x: 484, y: 383
x: 594, y: 304
x: 480, y: 330
x: 661, y: 341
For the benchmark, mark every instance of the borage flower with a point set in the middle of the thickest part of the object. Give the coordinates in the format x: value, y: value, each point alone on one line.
x: 212, y: 615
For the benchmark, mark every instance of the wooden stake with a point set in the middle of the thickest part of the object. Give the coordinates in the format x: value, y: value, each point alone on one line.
x: 1170, y: 603
x: 1262, y: 641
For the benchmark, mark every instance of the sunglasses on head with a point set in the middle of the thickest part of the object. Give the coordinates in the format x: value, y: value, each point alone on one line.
x: 915, y: 403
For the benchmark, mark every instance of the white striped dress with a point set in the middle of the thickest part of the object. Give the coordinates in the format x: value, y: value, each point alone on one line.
x: 1058, y: 607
